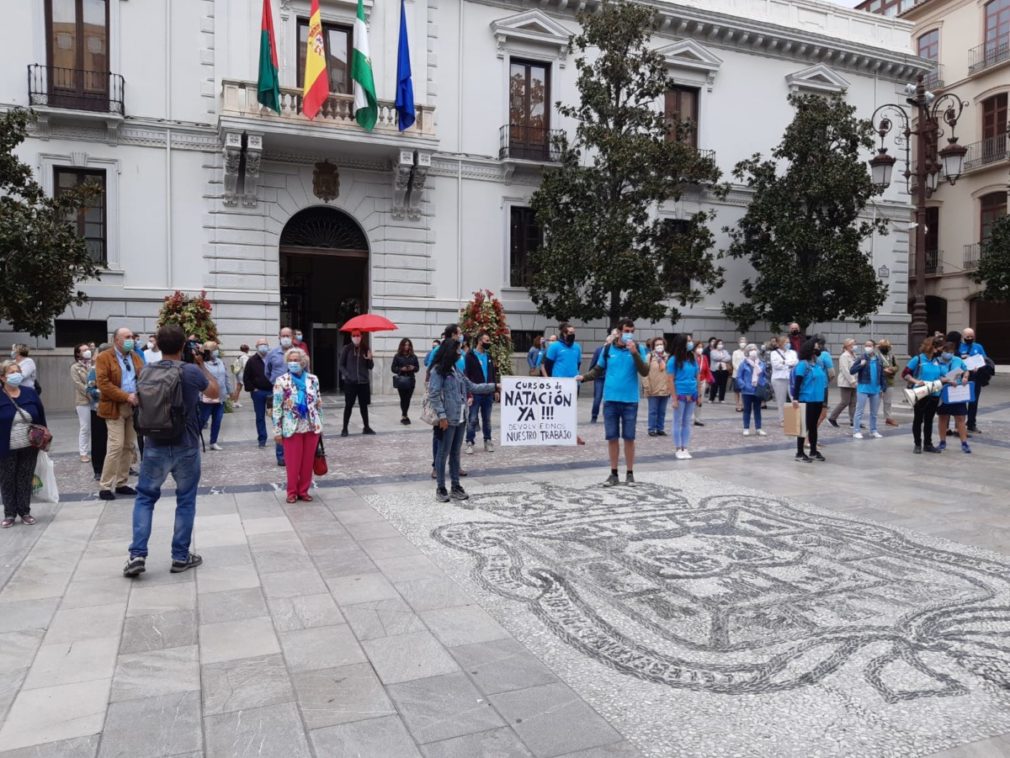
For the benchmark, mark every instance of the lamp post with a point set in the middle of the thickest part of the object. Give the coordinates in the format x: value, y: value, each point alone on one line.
x: 928, y: 113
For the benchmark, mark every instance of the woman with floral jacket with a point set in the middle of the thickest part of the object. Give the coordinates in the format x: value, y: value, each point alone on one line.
x: 297, y: 423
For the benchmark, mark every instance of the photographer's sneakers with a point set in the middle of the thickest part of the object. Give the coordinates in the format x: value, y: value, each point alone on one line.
x: 192, y: 561
x: 135, y: 566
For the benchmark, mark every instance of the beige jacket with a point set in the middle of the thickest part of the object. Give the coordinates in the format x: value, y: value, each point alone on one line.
x: 656, y: 383
x: 79, y: 376
x: 845, y: 377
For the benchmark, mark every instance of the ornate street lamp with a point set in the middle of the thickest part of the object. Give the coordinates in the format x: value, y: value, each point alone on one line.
x: 931, y: 116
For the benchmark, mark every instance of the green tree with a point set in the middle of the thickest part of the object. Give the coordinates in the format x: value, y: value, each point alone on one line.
x: 994, y: 263
x: 42, y: 257
x: 605, y: 251
x: 802, y: 232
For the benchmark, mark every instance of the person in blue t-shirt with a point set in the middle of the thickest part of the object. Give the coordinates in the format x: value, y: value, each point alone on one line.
x: 967, y: 349
x: 685, y: 383
x: 826, y: 363
x: 870, y: 384
x: 598, y: 385
x: 564, y: 357
x: 954, y: 372
x: 623, y: 360
x: 809, y: 382
x: 922, y: 368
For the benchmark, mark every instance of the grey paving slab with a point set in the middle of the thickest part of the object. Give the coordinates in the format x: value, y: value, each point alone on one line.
x: 27, y: 614
x: 52, y: 714
x: 158, y: 631
x: 217, y: 578
x: 226, y: 555
x: 164, y: 725
x: 293, y: 583
x: 431, y: 593
x: 231, y: 640
x: 80, y: 747
x: 360, y: 588
x: 272, y: 730
x: 159, y: 672
x: 84, y: 593
x: 304, y: 612
x: 417, y: 655
x: 245, y: 683
x: 86, y: 623
x: 443, y: 707
x: 10, y: 685
x: 272, y: 561
x: 375, y: 738
x: 496, y: 743
x: 462, y: 625
x: 615, y: 750
x: 17, y: 649
x: 234, y: 605
x: 147, y: 601
x: 69, y: 662
x: 383, y: 618
x: 349, y: 560
x: 320, y: 648
x: 409, y: 568
x: 501, y: 666
x: 389, y: 547
x: 552, y: 720
x: 339, y: 695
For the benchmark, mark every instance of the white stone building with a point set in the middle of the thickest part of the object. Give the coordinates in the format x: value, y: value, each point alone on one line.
x: 204, y: 190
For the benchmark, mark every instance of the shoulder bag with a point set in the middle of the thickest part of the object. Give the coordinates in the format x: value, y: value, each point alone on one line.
x: 39, y: 436
x: 319, y: 465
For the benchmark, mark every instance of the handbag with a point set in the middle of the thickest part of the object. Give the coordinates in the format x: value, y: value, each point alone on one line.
x: 39, y: 436
x: 402, y: 382
x: 764, y: 392
x: 428, y: 413
x: 319, y: 465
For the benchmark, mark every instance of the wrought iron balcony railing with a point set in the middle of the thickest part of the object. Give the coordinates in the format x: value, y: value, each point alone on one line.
x: 987, y: 151
x: 934, y: 262
x: 528, y: 143
x: 74, y: 89
x: 990, y: 53
x: 972, y: 255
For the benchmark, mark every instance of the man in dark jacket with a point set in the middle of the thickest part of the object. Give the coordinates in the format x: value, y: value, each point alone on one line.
x: 259, y: 387
x: 480, y: 369
x: 355, y: 374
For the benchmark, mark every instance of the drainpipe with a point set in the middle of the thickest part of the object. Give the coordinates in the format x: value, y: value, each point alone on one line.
x: 459, y: 151
x: 168, y: 144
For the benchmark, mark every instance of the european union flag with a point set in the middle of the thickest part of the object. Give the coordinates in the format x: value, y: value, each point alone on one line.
x: 404, y: 84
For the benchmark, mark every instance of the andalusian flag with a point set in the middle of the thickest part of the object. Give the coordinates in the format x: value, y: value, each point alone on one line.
x: 366, y: 105
x: 316, y: 88
x: 268, y: 89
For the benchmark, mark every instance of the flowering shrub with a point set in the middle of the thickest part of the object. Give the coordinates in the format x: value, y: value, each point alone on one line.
x: 485, y: 311
x: 192, y: 313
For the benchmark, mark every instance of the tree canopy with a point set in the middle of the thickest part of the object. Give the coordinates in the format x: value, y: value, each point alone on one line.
x: 803, y: 232
x: 607, y: 251
x: 994, y: 263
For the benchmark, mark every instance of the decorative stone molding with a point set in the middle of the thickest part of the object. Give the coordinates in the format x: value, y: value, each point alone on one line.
x: 253, y: 155
x: 409, y: 175
x: 819, y: 79
x: 691, y: 63
x: 533, y: 29
x: 232, y: 161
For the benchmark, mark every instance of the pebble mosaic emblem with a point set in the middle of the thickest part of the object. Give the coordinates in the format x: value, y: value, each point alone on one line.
x: 738, y: 594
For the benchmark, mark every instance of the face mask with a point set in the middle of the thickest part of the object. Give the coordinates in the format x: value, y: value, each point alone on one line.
x: 215, y: 354
x: 150, y: 345
x: 659, y: 347
x: 752, y: 354
x: 817, y: 352
x: 485, y: 345
x: 86, y: 355
x: 14, y: 379
x: 885, y: 350
x: 946, y: 357
x: 868, y: 350
x: 285, y: 342
x: 294, y: 367
x: 742, y: 345
x: 569, y: 339
x: 690, y: 346
x: 262, y: 349
x: 298, y: 337
x: 720, y: 346
x: 969, y: 340
x: 127, y: 346
x: 627, y: 337
x: 459, y: 339
x: 794, y: 332
x: 356, y: 340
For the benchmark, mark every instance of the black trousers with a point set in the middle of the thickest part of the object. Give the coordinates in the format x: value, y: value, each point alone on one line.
x: 973, y: 407
x: 813, y: 415
x: 99, y: 443
x: 406, y: 393
x: 718, y: 388
x: 16, y: 471
x: 360, y: 393
x: 922, y: 420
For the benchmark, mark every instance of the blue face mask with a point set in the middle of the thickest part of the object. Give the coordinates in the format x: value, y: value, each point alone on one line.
x: 690, y: 345
x: 127, y: 346
x: 946, y: 357
x: 627, y: 337
x: 14, y: 380
x: 263, y: 349
x: 216, y: 354
x: 294, y: 367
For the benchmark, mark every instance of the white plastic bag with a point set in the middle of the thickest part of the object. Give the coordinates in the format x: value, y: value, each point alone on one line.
x: 44, y: 489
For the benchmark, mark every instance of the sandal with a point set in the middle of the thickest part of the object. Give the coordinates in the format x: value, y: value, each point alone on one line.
x: 28, y: 520
x: 305, y: 498
x: 292, y: 498
x: 7, y: 523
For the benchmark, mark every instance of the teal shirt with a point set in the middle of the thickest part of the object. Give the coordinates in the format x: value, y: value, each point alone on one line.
x: 621, y: 382
x: 685, y: 376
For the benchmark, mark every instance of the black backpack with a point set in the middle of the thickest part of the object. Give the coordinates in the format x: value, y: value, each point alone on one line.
x: 161, y: 413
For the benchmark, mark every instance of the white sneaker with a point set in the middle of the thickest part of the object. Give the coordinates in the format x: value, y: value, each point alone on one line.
x: 469, y: 448
x: 686, y: 455
x: 762, y: 433
x: 238, y: 405
x: 876, y: 435
x: 857, y: 436
x: 679, y: 455
x: 216, y: 446
x: 488, y: 446
x: 746, y: 432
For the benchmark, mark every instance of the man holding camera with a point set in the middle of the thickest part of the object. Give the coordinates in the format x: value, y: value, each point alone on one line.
x: 174, y: 450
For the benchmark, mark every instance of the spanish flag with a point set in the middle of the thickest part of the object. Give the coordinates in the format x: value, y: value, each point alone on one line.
x: 317, y: 83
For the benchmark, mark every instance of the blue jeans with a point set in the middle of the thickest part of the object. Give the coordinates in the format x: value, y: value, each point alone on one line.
x: 861, y: 399
x: 183, y: 463
x: 452, y: 441
x: 597, y: 398
x: 657, y: 413
x: 751, y: 403
x: 436, y: 442
x: 484, y: 404
x: 214, y: 412
x: 683, y: 421
x: 259, y: 399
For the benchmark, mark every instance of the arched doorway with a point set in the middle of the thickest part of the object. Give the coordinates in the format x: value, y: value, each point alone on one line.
x: 324, y: 281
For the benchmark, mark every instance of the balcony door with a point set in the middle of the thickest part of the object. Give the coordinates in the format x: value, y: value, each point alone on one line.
x: 77, y: 41
x: 994, y: 126
x: 529, y: 110
x: 997, y: 31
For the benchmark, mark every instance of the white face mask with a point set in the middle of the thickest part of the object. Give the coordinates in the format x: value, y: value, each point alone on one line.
x: 659, y: 347
x: 752, y: 354
x: 86, y: 355
x: 356, y: 340
x: 868, y: 350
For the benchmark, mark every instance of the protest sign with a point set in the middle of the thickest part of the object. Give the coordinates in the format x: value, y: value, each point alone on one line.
x: 538, y: 411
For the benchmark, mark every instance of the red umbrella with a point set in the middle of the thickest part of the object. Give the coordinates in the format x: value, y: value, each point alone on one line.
x: 368, y: 322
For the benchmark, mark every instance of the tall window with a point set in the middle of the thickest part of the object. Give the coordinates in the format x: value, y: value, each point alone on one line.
x: 932, y: 240
x: 337, y: 45
x: 77, y: 35
x: 90, y: 220
x: 994, y: 126
x: 525, y: 236
x: 929, y: 45
x: 993, y: 208
x: 529, y: 109
x: 682, y: 109
x: 997, y: 27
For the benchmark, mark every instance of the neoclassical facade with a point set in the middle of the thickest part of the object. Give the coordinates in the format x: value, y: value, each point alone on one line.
x: 282, y: 219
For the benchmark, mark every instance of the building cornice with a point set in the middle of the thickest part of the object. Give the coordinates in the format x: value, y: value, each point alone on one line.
x: 141, y: 133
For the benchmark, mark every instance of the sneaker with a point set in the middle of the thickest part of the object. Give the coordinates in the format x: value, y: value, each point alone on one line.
x: 135, y: 565
x: 803, y: 458
x: 106, y: 495
x: 463, y: 473
x: 215, y: 446
x: 833, y: 422
x: 458, y: 493
x: 762, y: 433
x: 593, y: 420
x: 818, y: 457
x: 488, y: 446
x: 238, y: 405
x: 746, y: 432
x: 687, y: 455
x: 629, y: 478
x: 965, y: 448
x: 857, y: 435
x: 876, y: 435
x: 125, y: 490
x: 931, y: 449
x: 679, y: 455
x: 442, y: 495
x: 611, y: 481
x: 652, y: 432
x: 974, y: 430
x: 942, y: 446
x: 343, y: 432
x: 469, y: 448
x: 192, y: 561
x: 404, y: 420
x: 699, y: 423
x: 280, y: 462
x: 660, y: 433
x: 368, y: 430
x: 917, y: 450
